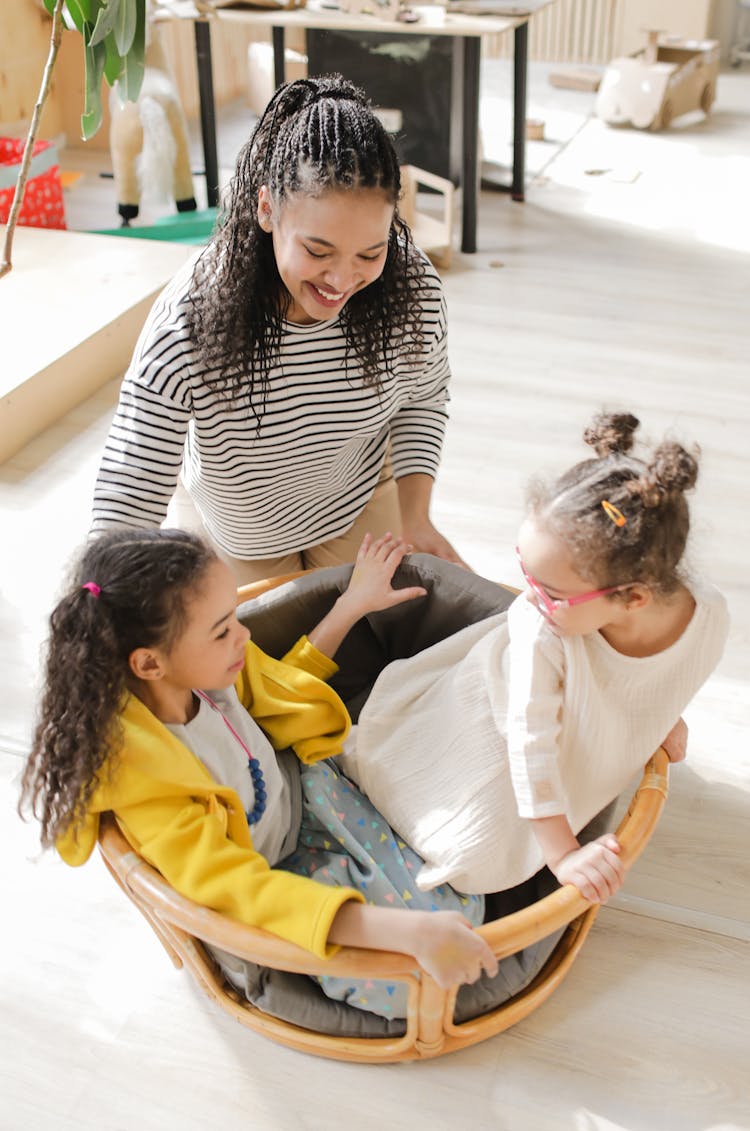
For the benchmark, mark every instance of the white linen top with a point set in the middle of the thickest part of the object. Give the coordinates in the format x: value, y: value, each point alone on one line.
x: 506, y: 720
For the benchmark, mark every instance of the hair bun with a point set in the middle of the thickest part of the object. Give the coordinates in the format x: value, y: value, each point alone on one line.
x: 673, y: 469
x: 611, y: 432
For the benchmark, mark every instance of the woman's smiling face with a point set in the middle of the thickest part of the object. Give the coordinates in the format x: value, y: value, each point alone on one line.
x: 327, y: 247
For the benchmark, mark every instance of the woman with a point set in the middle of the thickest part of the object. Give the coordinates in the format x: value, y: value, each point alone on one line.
x: 300, y: 365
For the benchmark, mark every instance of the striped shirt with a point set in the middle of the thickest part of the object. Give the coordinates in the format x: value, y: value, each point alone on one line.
x: 307, y: 472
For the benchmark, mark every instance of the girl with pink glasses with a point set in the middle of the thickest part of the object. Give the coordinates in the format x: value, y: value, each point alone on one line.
x: 492, y: 750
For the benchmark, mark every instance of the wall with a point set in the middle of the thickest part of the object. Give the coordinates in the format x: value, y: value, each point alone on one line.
x: 594, y: 31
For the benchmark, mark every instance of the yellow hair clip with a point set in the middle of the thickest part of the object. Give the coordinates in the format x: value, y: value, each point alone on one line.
x: 614, y: 513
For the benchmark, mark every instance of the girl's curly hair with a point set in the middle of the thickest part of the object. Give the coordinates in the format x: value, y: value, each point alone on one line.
x: 315, y: 135
x: 649, y: 545
x: 145, y: 579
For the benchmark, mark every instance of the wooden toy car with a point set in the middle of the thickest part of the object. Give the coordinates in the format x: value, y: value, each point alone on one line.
x: 668, y: 77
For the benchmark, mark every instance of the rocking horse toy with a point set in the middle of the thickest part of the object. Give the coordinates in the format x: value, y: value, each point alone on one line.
x: 148, y: 139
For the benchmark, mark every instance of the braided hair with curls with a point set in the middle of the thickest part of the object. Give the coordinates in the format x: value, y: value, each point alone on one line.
x: 648, y: 546
x: 130, y: 590
x: 315, y: 135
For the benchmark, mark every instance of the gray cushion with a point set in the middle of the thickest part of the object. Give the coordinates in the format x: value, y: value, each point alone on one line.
x: 455, y: 598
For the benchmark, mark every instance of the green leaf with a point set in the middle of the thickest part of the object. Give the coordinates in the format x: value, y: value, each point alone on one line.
x: 125, y: 25
x: 67, y: 19
x: 95, y: 56
x: 84, y: 7
x: 92, y: 17
x: 114, y: 65
x: 105, y: 21
x: 75, y: 9
x: 134, y: 60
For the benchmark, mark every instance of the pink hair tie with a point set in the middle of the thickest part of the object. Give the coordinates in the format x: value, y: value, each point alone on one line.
x: 92, y: 588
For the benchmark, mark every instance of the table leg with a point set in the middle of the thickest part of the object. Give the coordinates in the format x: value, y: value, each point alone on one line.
x: 490, y: 170
x: 470, y: 170
x: 520, y: 67
x: 279, y: 68
x: 208, y: 115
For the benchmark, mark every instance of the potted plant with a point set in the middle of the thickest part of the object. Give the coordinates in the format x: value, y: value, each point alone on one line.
x: 114, y: 36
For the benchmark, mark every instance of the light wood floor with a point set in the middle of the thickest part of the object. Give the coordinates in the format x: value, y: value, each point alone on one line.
x: 623, y: 281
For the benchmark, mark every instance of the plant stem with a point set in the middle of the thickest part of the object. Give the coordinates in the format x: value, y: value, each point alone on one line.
x: 6, y: 262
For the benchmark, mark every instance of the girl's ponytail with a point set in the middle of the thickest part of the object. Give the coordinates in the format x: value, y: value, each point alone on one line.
x: 84, y: 685
x: 129, y: 590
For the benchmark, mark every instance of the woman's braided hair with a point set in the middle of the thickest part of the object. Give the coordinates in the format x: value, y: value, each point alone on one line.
x: 315, y: 135
x: 648, y: 547
x: 145, y: 580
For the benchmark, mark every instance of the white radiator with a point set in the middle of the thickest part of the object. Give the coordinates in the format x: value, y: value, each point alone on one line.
x: 575, y: 31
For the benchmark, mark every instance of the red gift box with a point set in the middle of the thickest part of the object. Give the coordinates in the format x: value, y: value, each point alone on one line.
x: 43, y: 205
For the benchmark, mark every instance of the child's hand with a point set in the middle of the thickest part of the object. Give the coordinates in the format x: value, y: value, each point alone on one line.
x: 448, y: 948
x: 370, y: 588
x: 595, y: 869
x: 444, y: 944
x: 675, y: 743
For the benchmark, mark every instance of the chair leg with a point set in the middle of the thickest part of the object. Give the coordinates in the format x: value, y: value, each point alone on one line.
x: 432, y: 1002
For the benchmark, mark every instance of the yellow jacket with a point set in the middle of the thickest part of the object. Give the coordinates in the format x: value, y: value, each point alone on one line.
x: 194, y: 831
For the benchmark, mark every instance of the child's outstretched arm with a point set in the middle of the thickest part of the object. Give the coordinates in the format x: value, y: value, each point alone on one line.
x: 595, y: 868
x: 369, y: 590
x: 444, y: 944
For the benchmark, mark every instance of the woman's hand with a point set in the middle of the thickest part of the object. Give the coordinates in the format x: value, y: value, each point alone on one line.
x: 414, y: 494
x: 675, y: 743
x: 595, y: 869
x: 425, y: 539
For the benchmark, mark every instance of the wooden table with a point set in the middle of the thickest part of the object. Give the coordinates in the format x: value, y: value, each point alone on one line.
x: 466, y: 33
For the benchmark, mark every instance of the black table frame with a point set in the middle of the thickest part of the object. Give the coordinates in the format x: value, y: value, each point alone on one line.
x: 464, y: 113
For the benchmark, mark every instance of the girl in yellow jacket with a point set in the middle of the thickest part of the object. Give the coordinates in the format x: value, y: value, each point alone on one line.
x: 192, y: 775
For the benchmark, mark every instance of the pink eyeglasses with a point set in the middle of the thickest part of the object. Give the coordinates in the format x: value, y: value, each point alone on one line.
x: 551, y: 605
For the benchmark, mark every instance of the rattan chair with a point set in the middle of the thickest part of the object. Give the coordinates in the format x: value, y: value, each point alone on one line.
x: 186, y: 929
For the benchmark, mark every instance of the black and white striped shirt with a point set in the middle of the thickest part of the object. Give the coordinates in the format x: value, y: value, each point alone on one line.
x: 307, y: 473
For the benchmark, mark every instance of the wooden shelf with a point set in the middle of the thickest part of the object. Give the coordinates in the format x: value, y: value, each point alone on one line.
x: 73, y: 307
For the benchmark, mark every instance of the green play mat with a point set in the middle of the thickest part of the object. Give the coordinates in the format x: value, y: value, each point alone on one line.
x: 183, y: 227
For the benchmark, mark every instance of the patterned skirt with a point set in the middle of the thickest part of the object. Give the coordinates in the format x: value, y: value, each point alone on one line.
x: 345, y: 842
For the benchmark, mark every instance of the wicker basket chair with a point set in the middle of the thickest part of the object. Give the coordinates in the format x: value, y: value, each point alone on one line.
x: 187, y: 930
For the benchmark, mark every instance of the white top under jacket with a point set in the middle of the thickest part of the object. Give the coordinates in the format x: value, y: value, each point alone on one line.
x: 210, y: 739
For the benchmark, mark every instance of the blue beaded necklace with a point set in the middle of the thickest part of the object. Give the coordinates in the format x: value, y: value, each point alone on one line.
x: 253, y: 765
